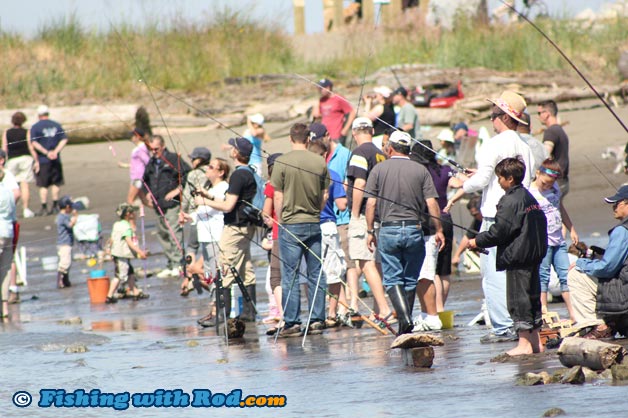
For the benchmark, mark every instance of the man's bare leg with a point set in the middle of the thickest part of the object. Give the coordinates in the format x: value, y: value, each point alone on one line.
x: 375, y: 283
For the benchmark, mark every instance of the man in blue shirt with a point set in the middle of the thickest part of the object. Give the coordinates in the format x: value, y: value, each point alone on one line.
x: 48, y: 139
x: 583, y: 279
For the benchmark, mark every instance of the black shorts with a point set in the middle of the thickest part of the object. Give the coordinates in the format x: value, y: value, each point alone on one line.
x: 443, y: 262
x: 50, y: 174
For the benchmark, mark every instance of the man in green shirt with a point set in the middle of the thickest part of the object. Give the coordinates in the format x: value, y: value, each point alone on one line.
x: 301, y: 180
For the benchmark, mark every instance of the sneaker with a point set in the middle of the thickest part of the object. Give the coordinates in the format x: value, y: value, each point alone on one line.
x: 293, y: 331
x: 316, y: 328
x: 168, y: 273
x: 27, y: 213
x: 427, y: 323
x: 491, y: 337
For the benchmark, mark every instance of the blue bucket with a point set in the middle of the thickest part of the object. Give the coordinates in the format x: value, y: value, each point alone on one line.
x: 96, y: 274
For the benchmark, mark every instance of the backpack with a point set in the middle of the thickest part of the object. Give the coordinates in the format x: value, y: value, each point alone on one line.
x: 254, y: 214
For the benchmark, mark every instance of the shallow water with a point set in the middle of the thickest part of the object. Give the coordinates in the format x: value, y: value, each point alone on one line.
x: 151, y: 344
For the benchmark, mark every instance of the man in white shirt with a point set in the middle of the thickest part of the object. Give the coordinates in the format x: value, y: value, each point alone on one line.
x: 506, y: 115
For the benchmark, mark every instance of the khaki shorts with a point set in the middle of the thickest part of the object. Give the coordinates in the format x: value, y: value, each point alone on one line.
x: 64, y: 252
x: 334, y: 264
x: 235, y: 243
x: 357, y: 240
x: 343, y: 231
x: 22, y: 168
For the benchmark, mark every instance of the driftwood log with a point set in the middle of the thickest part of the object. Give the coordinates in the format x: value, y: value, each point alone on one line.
x: 596, y: 355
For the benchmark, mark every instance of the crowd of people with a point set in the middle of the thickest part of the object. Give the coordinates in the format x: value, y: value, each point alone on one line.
x: 356, y: 195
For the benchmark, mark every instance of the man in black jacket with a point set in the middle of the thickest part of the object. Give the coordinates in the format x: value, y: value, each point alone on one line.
x: 520, y: 234
x: 163, y: 178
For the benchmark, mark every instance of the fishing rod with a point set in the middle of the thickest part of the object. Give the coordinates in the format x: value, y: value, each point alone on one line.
x: 451, y: 162
x: 560, y: 51
x: 601, y: 173
x: 368, y: 59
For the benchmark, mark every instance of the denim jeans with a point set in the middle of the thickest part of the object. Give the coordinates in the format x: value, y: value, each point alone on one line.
x: 291, y: 250
x: 557, y: 256
x: 402, y: 250
x: 494, y: 287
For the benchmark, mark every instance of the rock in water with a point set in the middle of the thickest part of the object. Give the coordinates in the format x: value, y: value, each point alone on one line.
x: 76, y: 348
x: 235, y: 328
x: 575, y: 376
x: 554, y: 412
x: 416, y: 340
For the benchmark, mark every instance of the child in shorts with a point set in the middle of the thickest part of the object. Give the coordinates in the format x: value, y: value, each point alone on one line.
x: 124, y: 247
x: 546, y: 191
x: 520, y: 234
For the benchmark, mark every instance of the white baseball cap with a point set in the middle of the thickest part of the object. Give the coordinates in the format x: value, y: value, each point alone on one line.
x: 42, y: 110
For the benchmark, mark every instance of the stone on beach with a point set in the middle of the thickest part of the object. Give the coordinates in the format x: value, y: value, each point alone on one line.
x: 416, y: 340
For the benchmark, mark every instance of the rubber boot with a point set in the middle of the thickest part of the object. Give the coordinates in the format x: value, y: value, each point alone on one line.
x: 397, y: 295
x: 60, y: 284
x: 248, y: 310
x: 226, y: 297
x: 410, y: 297
x: 66, y: 280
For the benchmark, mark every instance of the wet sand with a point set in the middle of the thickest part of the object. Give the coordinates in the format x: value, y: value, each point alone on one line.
x: 151, y: 344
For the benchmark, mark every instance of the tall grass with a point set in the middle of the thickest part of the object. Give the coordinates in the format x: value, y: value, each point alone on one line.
x: 67, y: 61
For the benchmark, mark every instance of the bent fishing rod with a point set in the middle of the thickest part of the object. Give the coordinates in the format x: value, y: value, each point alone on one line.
x: 267, y: 154
x: 560, y: 51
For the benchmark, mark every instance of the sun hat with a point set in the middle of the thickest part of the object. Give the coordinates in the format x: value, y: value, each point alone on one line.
x: 257, y: 119
x: 622, y: 194
x: 124, y: 208
x: 446, y: 135
x: 512, y: 104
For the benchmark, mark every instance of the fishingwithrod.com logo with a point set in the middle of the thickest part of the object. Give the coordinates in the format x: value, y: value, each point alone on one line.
x: 160, y: 398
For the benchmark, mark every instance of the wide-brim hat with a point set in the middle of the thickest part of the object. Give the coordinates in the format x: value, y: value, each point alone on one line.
x: 512, y: 104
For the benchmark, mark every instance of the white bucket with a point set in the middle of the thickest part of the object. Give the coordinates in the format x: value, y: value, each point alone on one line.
x: 50, y: 263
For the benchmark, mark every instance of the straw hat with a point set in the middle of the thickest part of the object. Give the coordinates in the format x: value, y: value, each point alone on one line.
x: 511, y: 103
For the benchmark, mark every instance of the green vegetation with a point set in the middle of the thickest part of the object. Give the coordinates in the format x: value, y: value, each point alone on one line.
x: 65, y: 58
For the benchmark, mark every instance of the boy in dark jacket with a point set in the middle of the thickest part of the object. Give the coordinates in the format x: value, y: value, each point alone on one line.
x: 520, y: 234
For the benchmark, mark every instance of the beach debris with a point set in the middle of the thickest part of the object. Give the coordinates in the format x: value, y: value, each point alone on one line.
x: 76, y: 348
x: 416, y: 340
x: 596, y: 355
x: 554, y: 412
x: 192, y: 343
x: 235, y: 328
x: 418, y: 357
x: 75, y: 320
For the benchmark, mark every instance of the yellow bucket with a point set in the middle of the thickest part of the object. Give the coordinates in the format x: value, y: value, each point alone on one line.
x: 447, y: 318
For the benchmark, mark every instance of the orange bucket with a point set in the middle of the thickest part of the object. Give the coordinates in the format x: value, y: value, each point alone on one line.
x: 98, y: 289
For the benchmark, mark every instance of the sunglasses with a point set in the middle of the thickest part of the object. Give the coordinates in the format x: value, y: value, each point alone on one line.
x: 496, y: 115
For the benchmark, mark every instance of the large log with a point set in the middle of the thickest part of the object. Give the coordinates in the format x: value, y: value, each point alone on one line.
x: 596, y: 355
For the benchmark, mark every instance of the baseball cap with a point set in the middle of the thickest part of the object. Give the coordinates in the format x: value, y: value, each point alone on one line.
x: 138, y: 131
x: 270, y: 161
x: 202, y: 153
x: 383, y: 90
x: 65, y: 201
x: 400, y: 90
x: 460, y: 125
x: 124, y: 208
x: 242, y: 145
x: 257, y: 119
x: 446, y: 135
x: 361, y: 123
x: 42, y: 110
x: 325, y: 83
x: 401, y: 138
x: 622, y: 194
x: 317, y: 131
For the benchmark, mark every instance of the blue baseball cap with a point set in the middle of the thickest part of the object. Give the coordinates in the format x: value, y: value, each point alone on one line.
x: 242, y: 145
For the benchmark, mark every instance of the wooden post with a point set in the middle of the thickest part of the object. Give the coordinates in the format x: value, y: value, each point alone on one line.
x: 339, y: 19
x: 595, y: 355
x: 368, y: 12
x: 299, y: 16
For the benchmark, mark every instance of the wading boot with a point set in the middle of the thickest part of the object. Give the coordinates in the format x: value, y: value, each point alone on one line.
x: 397, y: 295
x: 226, y: 297
x: 66, y: 280
x: 410, y: 296
x: 248, y: 310
x: 60, y: 284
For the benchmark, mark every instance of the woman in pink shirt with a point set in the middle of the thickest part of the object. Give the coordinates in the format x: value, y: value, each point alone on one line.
x: 139, y: 158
